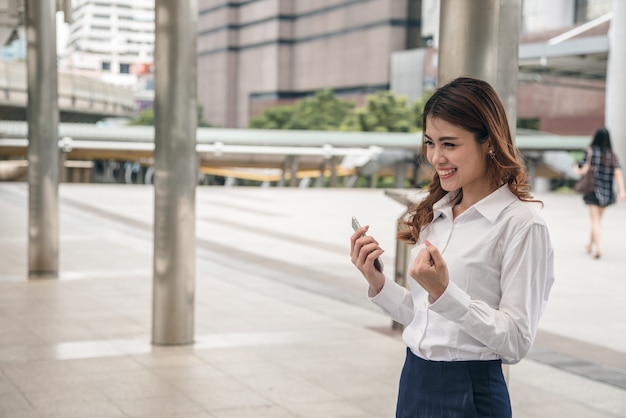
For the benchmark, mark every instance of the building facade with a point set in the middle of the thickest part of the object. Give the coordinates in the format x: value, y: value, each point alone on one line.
x: 255, y: 54
x: 112, y: 40
x: 260, y: 53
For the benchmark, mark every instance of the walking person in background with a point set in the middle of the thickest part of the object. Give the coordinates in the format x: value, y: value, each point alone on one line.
x: 607, y: 169
x: 482, y: 264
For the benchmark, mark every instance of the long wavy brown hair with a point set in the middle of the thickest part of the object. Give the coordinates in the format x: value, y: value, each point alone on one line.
x: 473, y: 105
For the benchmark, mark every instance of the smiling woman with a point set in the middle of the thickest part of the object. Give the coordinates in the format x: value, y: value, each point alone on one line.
x: 459, y: 160
x: 468, y: 108
x: 482, y: 264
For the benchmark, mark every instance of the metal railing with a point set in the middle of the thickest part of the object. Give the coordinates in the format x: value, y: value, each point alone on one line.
x: 285, y: 150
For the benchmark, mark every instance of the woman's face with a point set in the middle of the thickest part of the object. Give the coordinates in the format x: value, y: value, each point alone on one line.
x: 460, y: 161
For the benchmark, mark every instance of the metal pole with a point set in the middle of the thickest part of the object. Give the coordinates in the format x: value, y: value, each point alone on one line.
x: 616, y: 81
x: 400, y: 177
x: 333, y: 172
x: 43, y: 150
x: 176, y: 172
x: 320, y: 179
x: 480, y: 38
x: 401, y: 267
x: 293, y: 169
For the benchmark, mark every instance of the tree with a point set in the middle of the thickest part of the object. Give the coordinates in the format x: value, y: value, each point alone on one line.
x: 201, y: 122
x: 384, y: 111
x: 321, y: 112
x: 276, y: 117
x: 418, y: 108
x: 146, y: 118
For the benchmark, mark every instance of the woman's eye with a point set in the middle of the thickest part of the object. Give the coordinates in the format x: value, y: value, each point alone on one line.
x: 428, y: 142
x: 449, y: 145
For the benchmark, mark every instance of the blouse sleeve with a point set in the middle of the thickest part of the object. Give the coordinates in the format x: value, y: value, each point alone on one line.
x: 395, y: 300
x: 527, y: 276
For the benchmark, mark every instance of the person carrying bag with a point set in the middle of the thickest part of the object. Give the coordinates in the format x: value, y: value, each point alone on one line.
x: 603, y: 170
x: 587, y: 183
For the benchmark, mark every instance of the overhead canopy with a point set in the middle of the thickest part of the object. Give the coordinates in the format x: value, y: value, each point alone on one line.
x: 579, y: 52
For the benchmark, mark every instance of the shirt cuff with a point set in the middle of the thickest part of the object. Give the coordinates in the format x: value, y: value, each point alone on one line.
x: 453, y: 304
x: 391, y: 295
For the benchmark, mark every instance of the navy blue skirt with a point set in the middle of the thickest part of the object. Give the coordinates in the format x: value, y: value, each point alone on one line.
x: 451, y: 389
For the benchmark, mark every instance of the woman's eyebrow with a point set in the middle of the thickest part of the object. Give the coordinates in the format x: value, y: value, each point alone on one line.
x: 443, y: 138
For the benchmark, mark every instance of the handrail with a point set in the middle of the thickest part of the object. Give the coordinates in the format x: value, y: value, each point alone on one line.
x: 133, y: 136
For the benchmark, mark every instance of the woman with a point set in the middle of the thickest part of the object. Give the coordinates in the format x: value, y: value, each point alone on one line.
x: 606, y: 166
x: 482, y: 267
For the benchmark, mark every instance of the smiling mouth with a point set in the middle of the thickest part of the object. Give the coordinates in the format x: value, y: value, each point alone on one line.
x: 446, y: 173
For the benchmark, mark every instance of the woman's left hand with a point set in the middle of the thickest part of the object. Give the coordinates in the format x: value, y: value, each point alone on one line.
x: 430, y: 271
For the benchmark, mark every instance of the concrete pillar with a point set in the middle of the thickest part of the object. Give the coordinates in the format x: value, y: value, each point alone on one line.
x: 176, y: 172
x: 293, y: 169
x: 319, y: 182
x: 43, y: 150
x: 480, y: 38
x: 616, y: 81
x: 333, y: 172
x: 402, y: 263
x: 400, y: 174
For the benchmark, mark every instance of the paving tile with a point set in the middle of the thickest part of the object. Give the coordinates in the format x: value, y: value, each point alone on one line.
x: 269, y: 411
x: 164, y: 406
x: 346, y: 409
x: 218, y: 401
x: 13, y: 403
x: 283, y: 325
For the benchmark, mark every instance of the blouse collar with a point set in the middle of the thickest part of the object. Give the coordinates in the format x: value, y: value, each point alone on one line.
x: 490, y: 206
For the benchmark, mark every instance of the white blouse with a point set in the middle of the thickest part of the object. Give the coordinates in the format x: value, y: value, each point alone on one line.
x: 501, y: 267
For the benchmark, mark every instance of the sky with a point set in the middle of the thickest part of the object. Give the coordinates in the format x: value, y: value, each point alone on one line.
x: 62, y: 33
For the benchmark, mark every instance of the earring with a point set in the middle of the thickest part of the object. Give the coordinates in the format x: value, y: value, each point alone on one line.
x: 492, y: 154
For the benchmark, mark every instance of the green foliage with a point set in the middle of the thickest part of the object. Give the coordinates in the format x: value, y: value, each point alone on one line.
x: 273, y: 118
x: 531, y: 123
x: 384, y: 111
x: 418, y: 108
x: 146, y: 118
x: 201, y: 122
x: 321, y: 112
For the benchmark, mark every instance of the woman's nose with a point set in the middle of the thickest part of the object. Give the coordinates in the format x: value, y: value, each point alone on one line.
x: 436, y: 156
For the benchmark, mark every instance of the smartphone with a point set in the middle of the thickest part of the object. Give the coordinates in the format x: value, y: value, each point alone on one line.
x: 378, y: 263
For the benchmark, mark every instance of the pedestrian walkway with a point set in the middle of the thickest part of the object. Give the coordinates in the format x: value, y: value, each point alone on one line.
x: 283, y: 326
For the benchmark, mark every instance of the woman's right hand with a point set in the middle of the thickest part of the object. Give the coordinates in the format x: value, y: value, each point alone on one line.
x: 364, y: 249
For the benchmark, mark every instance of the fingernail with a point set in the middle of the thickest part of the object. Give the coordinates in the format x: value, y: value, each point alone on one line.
x: 428, y: 244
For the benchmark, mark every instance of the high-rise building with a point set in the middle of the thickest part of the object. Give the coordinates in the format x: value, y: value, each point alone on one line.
x: 112, y: 40
x: 259, y: 53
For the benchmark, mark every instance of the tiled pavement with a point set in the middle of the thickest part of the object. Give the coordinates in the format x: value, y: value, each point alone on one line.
x: 283, y: 328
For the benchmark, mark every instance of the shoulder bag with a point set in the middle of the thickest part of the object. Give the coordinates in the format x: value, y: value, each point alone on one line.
x: 586, y: 184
